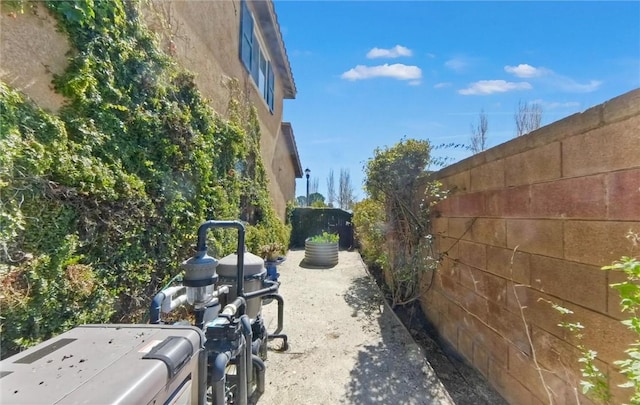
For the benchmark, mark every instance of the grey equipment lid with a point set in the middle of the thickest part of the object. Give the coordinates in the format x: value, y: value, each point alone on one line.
x: 228, y: 265
x: 200, y: 266
x: 103, y: 364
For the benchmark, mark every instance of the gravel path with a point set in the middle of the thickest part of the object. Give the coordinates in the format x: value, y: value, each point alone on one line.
x: 345, y: 343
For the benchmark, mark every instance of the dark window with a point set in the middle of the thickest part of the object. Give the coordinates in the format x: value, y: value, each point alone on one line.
x: 246, y: 37
x: 270, y: 82
x: 254, y: 58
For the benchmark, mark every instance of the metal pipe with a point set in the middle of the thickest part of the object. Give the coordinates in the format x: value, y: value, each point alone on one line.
x: 174, y: 297
x: 241, y: 370
x: 273, y: 287
x: 280, y: 300
x: 307, y: 172
x: 202, y: 376
x: 276, y: 334
x: 156, y: 306
x: 255, y: 346
x: 202, y: 245
x: 245, y: 321
x: 198, y: 314
x: 237, y: 306
x: 218, y: 377
x: 260, y: 367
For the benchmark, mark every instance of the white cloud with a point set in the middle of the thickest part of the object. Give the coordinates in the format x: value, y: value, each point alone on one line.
x: 569, y: 85
x: 552, y: 78
x: 457, y: 64
x: 484, y: 87
x: 525, y: 71
x: 442, y: 85
x: 396, y: 71
x: 394, y: 52
x: 415, y: 83
x: 552, y: 105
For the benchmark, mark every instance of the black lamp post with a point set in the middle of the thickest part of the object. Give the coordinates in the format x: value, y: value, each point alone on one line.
x: 307, y: 172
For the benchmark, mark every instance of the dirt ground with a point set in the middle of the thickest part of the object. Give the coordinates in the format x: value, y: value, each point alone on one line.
x: 346, y: 346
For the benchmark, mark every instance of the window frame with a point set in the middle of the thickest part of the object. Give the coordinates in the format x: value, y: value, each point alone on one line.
x: 252, y: 53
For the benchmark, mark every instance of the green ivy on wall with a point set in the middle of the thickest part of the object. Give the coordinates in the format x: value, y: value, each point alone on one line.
x: 99, y: 204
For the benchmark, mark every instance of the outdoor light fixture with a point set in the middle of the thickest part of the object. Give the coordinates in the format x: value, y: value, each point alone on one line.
x: 200, y: 278
x: 307, y: 172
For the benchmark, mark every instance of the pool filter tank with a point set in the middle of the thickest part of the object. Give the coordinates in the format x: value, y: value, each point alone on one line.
x: 254, y: 276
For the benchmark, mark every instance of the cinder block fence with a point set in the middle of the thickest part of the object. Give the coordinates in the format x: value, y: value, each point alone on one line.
x: 529, y: 224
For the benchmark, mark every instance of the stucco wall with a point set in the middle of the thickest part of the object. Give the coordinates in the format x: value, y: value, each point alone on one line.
x: 31, y: 51
x: 530, y: 223
x: 282, y: 168
x: 202, y: 35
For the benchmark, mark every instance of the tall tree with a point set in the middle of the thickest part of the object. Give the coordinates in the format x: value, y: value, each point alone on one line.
x: 313, y: 188
x: 316, y: 200
x: 528, y: 117
x: 345, y: 192
x: 331, y: 189
x: 479, y: 134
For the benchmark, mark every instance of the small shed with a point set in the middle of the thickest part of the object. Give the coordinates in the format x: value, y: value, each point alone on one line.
x: 308, y: 221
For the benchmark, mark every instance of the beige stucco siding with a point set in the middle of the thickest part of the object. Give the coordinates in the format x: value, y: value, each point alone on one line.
x: 31, y: 52
x: 203, y: 36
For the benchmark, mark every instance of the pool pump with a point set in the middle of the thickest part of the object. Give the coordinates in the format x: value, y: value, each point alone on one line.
x: 227, y: 297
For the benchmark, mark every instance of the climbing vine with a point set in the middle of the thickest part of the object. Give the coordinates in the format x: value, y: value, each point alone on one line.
x: 100, y: 203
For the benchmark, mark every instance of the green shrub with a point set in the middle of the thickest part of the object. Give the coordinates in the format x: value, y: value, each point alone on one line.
x: 100, y: 204
x: 395, y: 222
x: 369, y: 224
x: 630, y: 303
x: 596, y: 383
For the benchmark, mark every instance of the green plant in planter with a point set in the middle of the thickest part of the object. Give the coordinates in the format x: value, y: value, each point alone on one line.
x: 322, y: 250
x: 326, y: 237
x: 271, y: 251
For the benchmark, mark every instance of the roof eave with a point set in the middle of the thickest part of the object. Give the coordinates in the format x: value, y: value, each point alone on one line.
x: 270, y: 28
x: 287, y: 131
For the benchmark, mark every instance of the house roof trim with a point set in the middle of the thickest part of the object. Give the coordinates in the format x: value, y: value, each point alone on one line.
x: 267, y: 20
x: 287, y: 131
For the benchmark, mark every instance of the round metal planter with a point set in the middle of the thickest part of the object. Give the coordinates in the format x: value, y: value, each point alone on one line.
x: 320, y: 253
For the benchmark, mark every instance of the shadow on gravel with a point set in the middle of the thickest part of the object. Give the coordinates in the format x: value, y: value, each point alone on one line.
x: 380, y: 378
x: 303, y: 263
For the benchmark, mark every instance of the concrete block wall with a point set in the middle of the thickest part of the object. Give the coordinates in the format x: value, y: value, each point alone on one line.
x: 529, y: 224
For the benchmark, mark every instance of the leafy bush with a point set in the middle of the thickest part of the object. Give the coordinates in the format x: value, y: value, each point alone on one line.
x: 100, y: 204
x: 370, y: 226
x: 595, y: 383
x: 394, y: 223
x: 630, y: 303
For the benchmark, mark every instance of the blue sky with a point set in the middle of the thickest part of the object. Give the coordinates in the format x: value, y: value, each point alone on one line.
x: 369, y: 73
